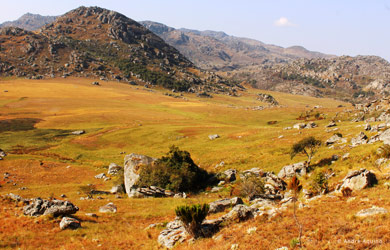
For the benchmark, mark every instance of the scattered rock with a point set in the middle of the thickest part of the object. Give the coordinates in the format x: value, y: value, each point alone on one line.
x: 335, y: 138
x: 101, y: 176
x: 108, y: 208
x: 54, y: 207
x: 385, y: 136
x: 221, y: 205
x: 291, y: 170
x: 113, y: 169
x: 216, y: 189
x: 117, y: 189
x: 95, y: 83
x: 331, y: 124
x: 213, y: 137
x: 228, y: 175
x: 173, y: 234
x: 299, y: 126
x: 78, y: 132
x: 133, y: 165
x: 2, y: 153
x: 69, y: 223
x: 374, y: 210
x: 361, y: 138
x: 359, y: 179
x: 239, y: 213
x: 93, y: 215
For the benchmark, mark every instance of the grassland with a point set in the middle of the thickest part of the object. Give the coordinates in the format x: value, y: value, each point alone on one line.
x: 38, y: 116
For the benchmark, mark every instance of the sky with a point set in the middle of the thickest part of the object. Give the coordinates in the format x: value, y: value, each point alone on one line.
x: 338, y: 27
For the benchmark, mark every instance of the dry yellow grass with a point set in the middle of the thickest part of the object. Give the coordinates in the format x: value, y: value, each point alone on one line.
x: 123, y: 118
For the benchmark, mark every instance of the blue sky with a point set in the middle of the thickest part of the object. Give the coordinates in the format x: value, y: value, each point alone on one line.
x: 340, y: 27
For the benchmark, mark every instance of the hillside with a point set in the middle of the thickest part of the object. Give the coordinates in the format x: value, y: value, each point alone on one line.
x: 29, y: 22
x: 102, y: 44
x: 345, y: 77
x: 219, y: 51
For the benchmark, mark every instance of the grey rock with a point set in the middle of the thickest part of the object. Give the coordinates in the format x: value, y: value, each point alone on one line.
x: 228, y: 175
x: 133, y: 163
x: 221, y: 205
x: 359, y: 179
x: 174, y: 233
x: 239, y: 213
x: 374, y: 210
x: 100, y: 176
x: 69, y: 223
x: 95, y: 83
x: 93, y: 215
x: 361, y: 138
x: 2, y: 153
x: 385, y: 136
x: 335, y: 138
x: 213, y: 137
x: 331, y: 124
x: 40, y: 206
x: 113, y: 169
x: 117, y: 189
x: 108, y: 208
x: 294, y: 169
x: 299, y: 125
x: 78, y: 132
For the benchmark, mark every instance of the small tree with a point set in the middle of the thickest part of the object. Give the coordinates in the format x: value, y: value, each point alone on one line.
x: 295, y: 186
x: 307, y: 146
x: 192, y: 218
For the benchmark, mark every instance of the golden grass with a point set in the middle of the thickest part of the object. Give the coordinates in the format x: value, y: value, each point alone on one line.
x: 123, y: 118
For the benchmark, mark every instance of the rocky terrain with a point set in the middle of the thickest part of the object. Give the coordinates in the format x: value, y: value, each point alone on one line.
x: 29, y: 22
x: 115, y: 47
x: 218, y: 51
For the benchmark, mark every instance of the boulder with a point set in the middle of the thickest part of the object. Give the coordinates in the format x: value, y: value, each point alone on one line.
x: 221, y: 205
x: 113, y: 169
x: 294, y: 169
x: 173, y: 234
x: 213, y: 137
x: 239, y: 213
x: 70, y: 223
x: 133, y: 165
x: 335, y: 138
x: 361, y: 138
x: 117, y: 189
x: 374, y: 210
x: 299, y: 125
x: 358, y: 179
x: 54, y: 207
x: 385, y: 136
x: 108, y: 208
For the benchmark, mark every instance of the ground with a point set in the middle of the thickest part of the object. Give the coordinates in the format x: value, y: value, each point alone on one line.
x: 38, y: 116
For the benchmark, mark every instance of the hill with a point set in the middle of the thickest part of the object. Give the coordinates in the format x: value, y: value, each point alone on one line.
x: 219, y: 51
x: 29, y: 22
x: 98, y: 43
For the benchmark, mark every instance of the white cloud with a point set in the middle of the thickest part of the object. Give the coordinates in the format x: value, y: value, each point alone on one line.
x: 283, y: 22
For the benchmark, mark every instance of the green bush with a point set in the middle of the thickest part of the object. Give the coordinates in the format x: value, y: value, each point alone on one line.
x: 176, y: 171
x: 192, y: 218
x: 319, y: 183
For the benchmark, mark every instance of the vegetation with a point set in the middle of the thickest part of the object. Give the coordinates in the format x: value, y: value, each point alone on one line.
x: 251, y: 186
x: 305, y: 79
x: 176, y: 171
x: 192, y: 218
x: 295, y: 186
x: 307, y: 146
x: 319, y: 183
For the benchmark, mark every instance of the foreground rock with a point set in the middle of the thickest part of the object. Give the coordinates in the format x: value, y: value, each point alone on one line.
x: 294, y: 169
x: 358, y: 180
x: 374, y: 210
x: 133, y: 165
x: 69, y: 223
x: 109, y: 208
x: 221, y: 205
x: 173, y: 234
x: 39, y: 207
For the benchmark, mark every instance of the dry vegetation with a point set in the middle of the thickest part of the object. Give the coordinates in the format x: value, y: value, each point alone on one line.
x: 117, y: 118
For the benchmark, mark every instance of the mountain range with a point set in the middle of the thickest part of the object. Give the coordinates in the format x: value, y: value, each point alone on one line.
x: 141, y: 51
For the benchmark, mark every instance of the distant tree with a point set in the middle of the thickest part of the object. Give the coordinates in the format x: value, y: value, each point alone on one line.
x: 192, y: 218
x: 307, y: 146
x: 295, y: 186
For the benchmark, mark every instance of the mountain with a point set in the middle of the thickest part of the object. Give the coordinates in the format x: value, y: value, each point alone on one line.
x: 29, y: 22
x: 219, y: 51
x: 99, y: 43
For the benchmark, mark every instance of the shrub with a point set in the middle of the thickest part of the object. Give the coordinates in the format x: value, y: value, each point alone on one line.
x: 319, y: 183
x: 252, y: 186
x: 307, y: 146
x: 192, y: 218
x: 176, y: 171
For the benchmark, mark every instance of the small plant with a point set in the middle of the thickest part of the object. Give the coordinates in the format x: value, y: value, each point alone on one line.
x: 319, y: 183
x: 295, y: 186
x: 252, y: 186
x: 192, y: 218
x: 294, y: 242
x: 307, y: 146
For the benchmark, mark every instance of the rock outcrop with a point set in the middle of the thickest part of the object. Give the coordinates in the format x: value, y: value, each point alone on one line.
x: 294, y: 169
x: 40, y: 206
x: 221, y: 205
x: 358, y: 179
x: 133, y: 164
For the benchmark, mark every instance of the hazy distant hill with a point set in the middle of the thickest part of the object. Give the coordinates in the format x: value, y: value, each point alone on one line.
x: 99, y: 43
x: 30, y: 22
x: 219, y: 51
